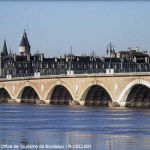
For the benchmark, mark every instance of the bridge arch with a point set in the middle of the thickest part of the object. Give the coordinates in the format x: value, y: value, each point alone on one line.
x: 96, y: 94
x: 28, y: 94
x: 137, y: 86
x: 59, y: 93
x: 4, y: 94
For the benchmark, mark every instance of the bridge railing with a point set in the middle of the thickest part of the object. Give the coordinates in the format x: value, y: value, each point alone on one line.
x: 130, y: 70
x: 76, y: 72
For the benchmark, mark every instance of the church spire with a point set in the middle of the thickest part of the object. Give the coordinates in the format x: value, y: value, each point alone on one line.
x: 24, y: 47
x: 4, y: 50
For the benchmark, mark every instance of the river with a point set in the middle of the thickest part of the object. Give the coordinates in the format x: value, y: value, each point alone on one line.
x: 73, y: 127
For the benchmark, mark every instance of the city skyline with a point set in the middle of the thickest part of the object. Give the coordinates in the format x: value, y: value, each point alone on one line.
x: 53, y: 27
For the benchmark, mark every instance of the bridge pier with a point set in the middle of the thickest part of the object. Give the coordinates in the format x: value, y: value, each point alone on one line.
x: 12, y: 101
x: 81, y: 103
x: 74, y: 102
x: 17, y: 100
x: 47, y: 102
x: 41, y: 102
x: 122, y: 104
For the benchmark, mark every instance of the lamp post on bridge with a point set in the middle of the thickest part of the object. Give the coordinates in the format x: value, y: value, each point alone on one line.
x: 109, y: 51
x: 70, y: 62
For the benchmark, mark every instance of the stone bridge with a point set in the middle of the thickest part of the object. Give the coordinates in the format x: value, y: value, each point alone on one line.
x: 122, y: 89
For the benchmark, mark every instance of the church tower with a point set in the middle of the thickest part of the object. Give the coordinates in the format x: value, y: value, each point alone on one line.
x: 24, y: 47
x: 4, y: 50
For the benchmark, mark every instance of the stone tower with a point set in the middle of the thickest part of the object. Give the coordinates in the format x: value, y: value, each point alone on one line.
x: 24, y: 47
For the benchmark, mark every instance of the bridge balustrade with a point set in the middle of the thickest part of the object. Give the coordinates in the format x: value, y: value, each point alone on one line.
x: 87, y: 71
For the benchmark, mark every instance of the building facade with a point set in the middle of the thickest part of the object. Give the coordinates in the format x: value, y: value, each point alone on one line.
x: 25, y: 64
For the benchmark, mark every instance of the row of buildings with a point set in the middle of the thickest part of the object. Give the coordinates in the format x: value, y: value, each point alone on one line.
x: 26, y: 64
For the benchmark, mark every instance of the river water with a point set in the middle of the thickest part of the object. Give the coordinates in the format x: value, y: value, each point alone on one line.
x: 73, y: 127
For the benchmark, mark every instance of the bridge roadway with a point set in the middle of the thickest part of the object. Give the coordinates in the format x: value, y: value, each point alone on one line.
x: 121, y: 89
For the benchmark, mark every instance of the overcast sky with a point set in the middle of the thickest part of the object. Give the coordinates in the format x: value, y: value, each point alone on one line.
x: 53, y: 27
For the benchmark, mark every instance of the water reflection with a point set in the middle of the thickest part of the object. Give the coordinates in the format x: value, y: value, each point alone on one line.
x: 101, y: 128
x: 96, y: 141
